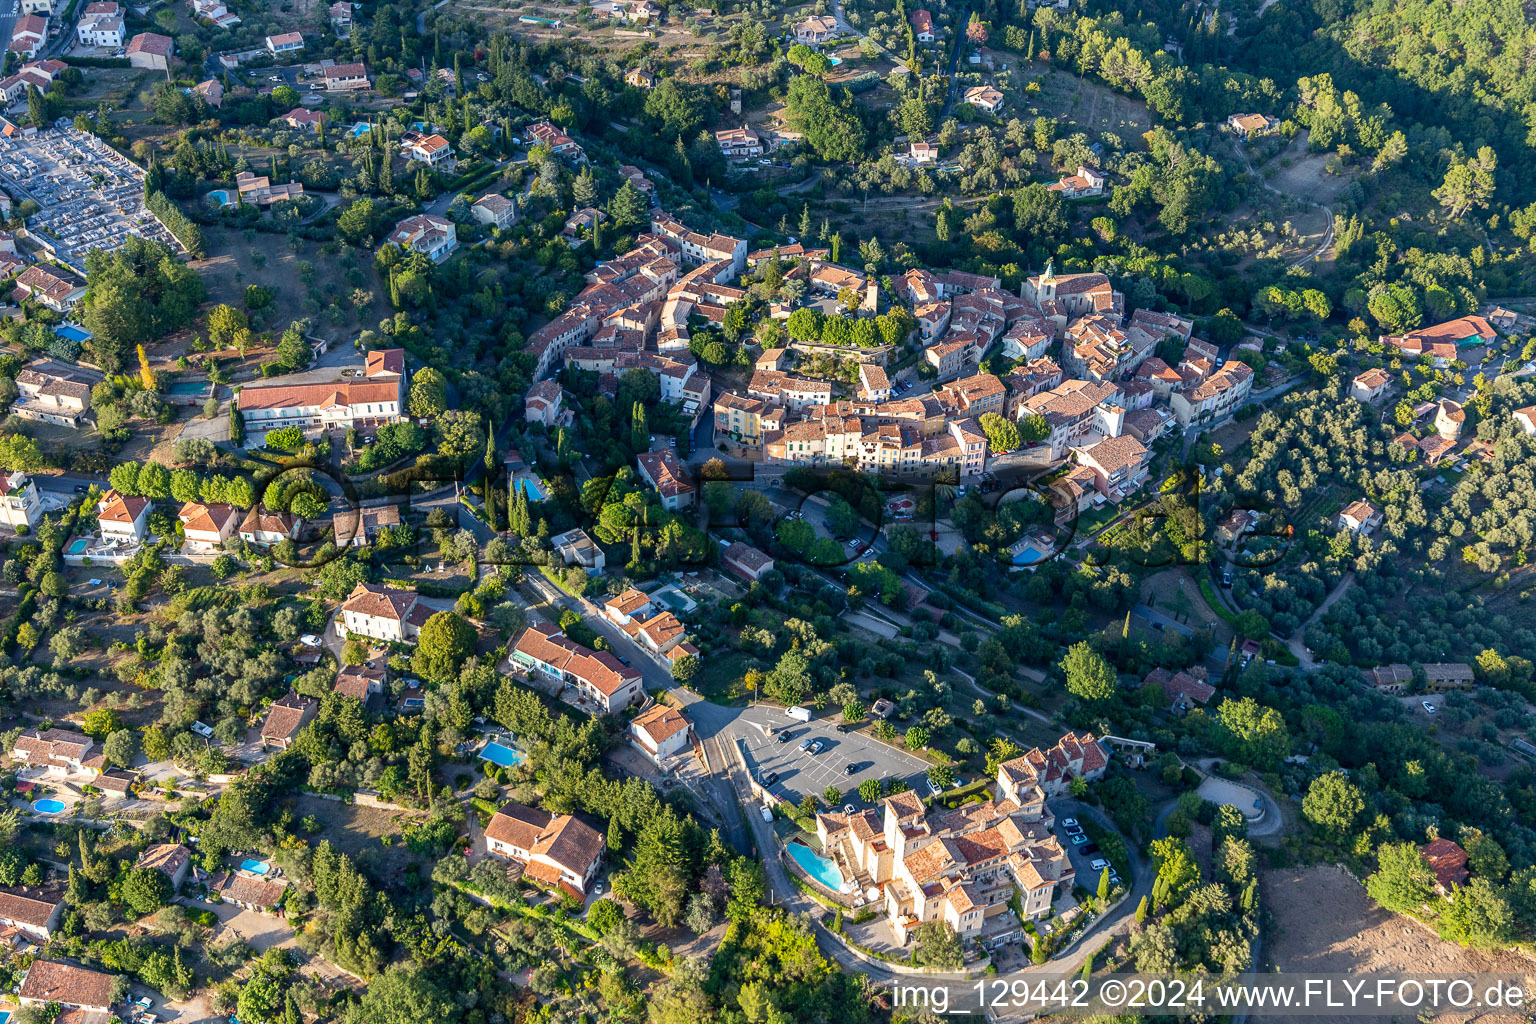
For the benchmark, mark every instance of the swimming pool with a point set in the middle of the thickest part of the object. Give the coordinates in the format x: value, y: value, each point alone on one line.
x: 220, y: 196
x: 49, y: 806
x: 834, y: 61
x: 530, y: 487
x: 77, y: 546
x: 1030, y: 555
x: 817, y: 866
x: 255, y: 867
x: 502, y: 755
x: 187, y: 387
x: 73, y: 333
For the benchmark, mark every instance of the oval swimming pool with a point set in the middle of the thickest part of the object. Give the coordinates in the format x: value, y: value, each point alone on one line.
x: 49, y: 806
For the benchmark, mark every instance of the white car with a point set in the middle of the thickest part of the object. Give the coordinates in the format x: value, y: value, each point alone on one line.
x: 309, y: 640
x: 1430, y: 707
x: 1098, y: 864
x: 598, y: 889
x: 1069, y: 822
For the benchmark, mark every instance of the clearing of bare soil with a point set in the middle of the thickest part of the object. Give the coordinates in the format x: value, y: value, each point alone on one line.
x: 1325, y: 923
x: 1303, y: 174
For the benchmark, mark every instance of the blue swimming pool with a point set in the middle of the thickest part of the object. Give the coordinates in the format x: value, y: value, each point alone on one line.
x: 531, y: 488
x: 1030, y: 555
x: 73, y: 333
x: 78, y: 546
x: 834, y: 61
x: 187, y: 387
x: 817, y: 866
x: 255, y: 867
x: 502, y: 755
x: 49, y: 806
x: 221, y: 196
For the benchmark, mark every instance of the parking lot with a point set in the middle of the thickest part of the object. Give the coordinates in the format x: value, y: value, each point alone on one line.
x: 1082, y: 863
x: 801, y: 772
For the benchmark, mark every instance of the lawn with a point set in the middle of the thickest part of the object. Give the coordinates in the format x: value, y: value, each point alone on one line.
x: 720, y: 678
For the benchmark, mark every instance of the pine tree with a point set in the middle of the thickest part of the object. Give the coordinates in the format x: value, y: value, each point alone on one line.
x: 583, y: 189
x: 805, y: 222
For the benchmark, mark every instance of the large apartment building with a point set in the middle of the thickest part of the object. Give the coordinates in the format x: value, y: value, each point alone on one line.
x: 966, y: 866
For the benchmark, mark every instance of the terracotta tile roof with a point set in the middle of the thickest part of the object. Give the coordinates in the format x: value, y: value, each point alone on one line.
x: 355, y: 680
x: 33, y: 907
x: 199, y: 518
x: 600, y: 669
x: 1448, y: 861
x: 661, y: 722
x: 150, y: 42
x: 53, y: 747
x: 666, y: 473
x: 165, y: 857
x: 118, y: 508
x: 629, y: 602
x: 1373, y: 378
x: 566, y: 840
x: 324, y: 395
x: 380, y: 602
x: 49, y: 981
x: 262, y: 893
x: 286, y: 716
x: 746, y: 556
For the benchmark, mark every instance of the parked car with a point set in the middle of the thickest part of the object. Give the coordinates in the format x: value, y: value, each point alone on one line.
x: 842, y: 728
x: 847, y: 808
x: 1079, y: 839
x: 1089, y: 849
x: 1074, y: 830
x: 805, y: 744
x: 767, y: 813
x: 851, y: 769
x: 1098, y: 864
x: 1226, y: 578
x: 1430, y: 707
x: 817, y: 746
x: 309, y: 640
x: 770, y: 778
x: 1068, y: 822
x: 786, y: 736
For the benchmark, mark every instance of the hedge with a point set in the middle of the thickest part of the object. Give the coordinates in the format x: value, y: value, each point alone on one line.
x: 99, y: 62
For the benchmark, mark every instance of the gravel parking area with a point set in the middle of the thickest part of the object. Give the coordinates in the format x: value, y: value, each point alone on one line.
x: 801, y: 772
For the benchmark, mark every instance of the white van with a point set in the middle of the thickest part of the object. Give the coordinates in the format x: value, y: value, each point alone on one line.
x: 767, y: 813
x: 799, y: 714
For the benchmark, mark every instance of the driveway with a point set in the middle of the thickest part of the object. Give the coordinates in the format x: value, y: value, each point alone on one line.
x: 801, y: 772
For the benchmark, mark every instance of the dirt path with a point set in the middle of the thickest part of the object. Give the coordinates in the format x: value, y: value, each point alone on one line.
x: 1298, y: 643
x: 1323, y: 247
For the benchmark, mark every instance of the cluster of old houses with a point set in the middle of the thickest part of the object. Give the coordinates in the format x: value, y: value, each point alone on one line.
x: 1104, y: 403
x: 972, y: 866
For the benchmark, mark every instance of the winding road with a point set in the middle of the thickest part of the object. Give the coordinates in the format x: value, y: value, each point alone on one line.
x: 1322, y: 247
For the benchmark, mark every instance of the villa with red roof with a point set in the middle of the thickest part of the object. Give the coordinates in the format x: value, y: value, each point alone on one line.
x: 382, y: 613
x: 559, y: 850
x: 659, y: 732
x: 123, y: 518
x: 597, y: 676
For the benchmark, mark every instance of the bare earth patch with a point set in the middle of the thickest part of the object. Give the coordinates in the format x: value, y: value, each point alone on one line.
x: 1325, y: 923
